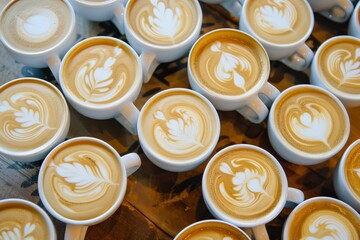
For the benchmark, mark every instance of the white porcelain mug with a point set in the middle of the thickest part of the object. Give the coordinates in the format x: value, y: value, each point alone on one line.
x: 354, y: 23
x: 90, y: 175
x: 336, y: 10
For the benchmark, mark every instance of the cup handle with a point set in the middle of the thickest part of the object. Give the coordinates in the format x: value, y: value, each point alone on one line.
x: 339, y: 12
x: 128, y: 117
x: 268, y: 93
x: 149, y: 64
x: 54, y: 63
x: 256, y: 111
x: 75, y: 232
x: 118, y: 18
x: 132, y: 163
x: 234, y: 7
x: 300, y: 60
x: 294, y: 197
x: 260, y: 232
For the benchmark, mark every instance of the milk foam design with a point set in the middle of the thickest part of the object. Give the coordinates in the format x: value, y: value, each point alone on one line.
x: 229, y: 65
x: 248, y: 183
x: 30, y: 114
x: 19, y: 233
x: 181, y: 134
x: 344, y: 66
x: 276, y: 17
x: 94, y: 82
x: 357, y: 172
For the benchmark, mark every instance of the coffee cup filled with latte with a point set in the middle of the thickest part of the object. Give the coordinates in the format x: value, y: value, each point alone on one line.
x: 34, y: 118
x: 212, y: 230
x: 282, y: 27
x: 22, y: 219
x: 231, y: 69
x: 178, y: 129
x: 83, y: 181
x: 246, y: 186
x: 336, y: 67
x: 101, y: 10
x: 161, y: 31
x: 101, y: 77
x: 335, y: 10
x: 322, y: 218
x: 354, y: 23
x: 347, y: 176
x: 308, y: 125
x: 38, y: 33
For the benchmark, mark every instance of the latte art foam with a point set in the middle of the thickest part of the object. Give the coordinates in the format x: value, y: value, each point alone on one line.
x: 244, y: 184
x: 35, y: 25
x: 31, y: 115
x: 352, y: 170
x: 162, y: 22
x: 82, y: 180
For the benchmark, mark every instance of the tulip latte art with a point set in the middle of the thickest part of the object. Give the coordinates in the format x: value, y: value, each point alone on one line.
x: 162, y: 22
x: 82, y: 179
x: 279, y: 21
x: 244, y: 184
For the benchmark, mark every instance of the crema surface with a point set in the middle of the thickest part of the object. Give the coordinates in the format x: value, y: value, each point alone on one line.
x: 352, y: 170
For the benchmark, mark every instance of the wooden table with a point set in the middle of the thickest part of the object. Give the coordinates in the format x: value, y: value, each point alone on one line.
x: 158, y: 204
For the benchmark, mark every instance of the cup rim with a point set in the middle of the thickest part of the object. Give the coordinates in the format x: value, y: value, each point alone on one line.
x: 44, y: 215
x: 285, y: 230
x: 59, y: 132
x: 99, y: 218
x: 184, y: 163
x: 297, y: 152
x: 137, y: 82
x: 242, y: 223
x: 147, y: 44
x: 52, y: 48
x: 299, y: 41
x: 210, y: 221
x: 95, y: 4
x: 263, y: 78
x: 330, y: 87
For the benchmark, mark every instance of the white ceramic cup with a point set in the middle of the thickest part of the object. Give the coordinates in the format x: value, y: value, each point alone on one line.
x: 179, y: 129
x: 27, y: 119
x: 343, y: 188
x: 335, y: 10
x: 151, y: 55
x: 254, y: 103
x: 354, y: 23
x: 257, y: 223
x: 343, y: 65
x: 76, y: 229
x: 122, y: 108
x: 308, y: 126
x: 296, y: 55
x: 44, y: 58
x: 25, y: 229
x: 233, y: 6
x: 101, y: 11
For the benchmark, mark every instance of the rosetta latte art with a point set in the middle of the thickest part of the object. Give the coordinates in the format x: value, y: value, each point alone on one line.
x: 19, y: 232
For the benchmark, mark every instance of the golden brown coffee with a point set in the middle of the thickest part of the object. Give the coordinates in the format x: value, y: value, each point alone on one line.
x: 82, y: 179
x: 178, y: 125
x: 35, y: 25
x: 162, y: 22
x: 279, y: 21
x: 99, y: 71
x: 22, y: 222
x: 310, y: 121
x: 229, y: 62
x: 244, y: 184
x: 212, y: 231
x: 352, y: 170
x: 339, y: 64
x: 32, y: 115
x: 323, y: 219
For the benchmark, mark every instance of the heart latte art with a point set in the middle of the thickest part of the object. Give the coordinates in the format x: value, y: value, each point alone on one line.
x: 244, y: 184
x: 310, y: 121
x: 162, y: 22
x: 82, y: 179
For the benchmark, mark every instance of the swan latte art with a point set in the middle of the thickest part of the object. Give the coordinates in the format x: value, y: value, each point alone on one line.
x: 35, y: 25
x: 82, y: 179
x: 310, y: 121
x: 279, y: 21
x: 162, y: 22
x: 244, y: 184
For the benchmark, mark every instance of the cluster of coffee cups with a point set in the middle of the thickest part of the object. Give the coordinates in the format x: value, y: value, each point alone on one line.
x: 82, y: 181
